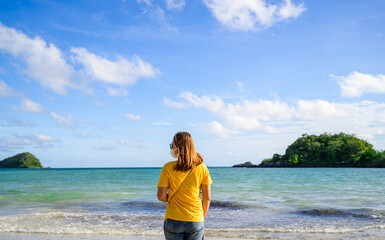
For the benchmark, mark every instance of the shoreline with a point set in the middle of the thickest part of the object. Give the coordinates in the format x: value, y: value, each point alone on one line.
x: 365, y: 234
x: 35, y: 236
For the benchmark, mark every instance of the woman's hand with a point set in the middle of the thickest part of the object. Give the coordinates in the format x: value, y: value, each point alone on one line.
x: 162, y: 194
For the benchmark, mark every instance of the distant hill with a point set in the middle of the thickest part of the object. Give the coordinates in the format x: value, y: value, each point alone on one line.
x: 21, y: 160
x: 326, y: 150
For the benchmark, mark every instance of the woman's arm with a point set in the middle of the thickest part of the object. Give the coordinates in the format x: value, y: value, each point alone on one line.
x: 206, y: 195
x: 162, y: 194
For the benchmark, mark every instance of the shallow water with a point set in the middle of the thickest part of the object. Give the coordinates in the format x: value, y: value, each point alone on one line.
x: 324, y: 203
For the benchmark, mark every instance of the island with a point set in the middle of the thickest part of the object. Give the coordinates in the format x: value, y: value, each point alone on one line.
x: 326, y: 150
x: 246, y: 164
x: 21, y: 160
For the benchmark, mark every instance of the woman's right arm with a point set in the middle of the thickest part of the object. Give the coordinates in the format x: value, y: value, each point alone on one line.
x: 206, y: 198
x: 162, y: 194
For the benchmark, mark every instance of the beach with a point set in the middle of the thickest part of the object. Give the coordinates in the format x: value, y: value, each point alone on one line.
x: 359, y: 235
x: 284, y: 203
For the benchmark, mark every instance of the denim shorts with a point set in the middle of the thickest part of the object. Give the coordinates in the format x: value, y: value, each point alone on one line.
x: 180, y: 230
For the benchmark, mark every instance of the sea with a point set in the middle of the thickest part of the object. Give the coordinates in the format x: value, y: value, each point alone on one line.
x: 247, y: 203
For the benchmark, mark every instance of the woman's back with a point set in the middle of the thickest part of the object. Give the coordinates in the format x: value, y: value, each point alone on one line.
x: 186, y: 205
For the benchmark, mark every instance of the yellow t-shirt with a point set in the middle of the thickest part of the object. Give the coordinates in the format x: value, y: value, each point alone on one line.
x: 187, y: 203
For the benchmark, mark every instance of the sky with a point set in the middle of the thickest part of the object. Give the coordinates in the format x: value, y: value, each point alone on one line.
x: 108, y: 83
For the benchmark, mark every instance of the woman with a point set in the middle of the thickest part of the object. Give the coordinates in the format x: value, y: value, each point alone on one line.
x: 183, y: 178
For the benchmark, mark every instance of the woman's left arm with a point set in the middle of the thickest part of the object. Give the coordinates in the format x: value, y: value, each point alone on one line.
x: 162, y: 194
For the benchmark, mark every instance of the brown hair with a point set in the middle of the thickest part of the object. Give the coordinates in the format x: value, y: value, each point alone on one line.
x: 188, y: 158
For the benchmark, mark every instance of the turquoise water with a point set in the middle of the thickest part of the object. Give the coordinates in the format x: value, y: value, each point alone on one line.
x: 246, y: 203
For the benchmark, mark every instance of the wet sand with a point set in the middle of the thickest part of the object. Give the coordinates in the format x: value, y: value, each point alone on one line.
x: 373, y: 234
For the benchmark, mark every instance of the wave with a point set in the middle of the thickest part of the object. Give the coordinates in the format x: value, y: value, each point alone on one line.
x: 289, y: 229
x: 129, y: 224
x: 357, y: 213
x: 144, y: 205
x: 228, y: 204
x: 213, y: 204
x: 134, y: 224
x: 150, y: 224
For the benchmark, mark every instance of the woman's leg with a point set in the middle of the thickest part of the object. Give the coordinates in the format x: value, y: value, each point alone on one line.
x: 194, y: 231
x: 173, y: 229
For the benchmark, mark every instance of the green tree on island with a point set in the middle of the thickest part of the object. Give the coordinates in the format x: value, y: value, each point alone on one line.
x: 21, y: 160
x: 327, y: 150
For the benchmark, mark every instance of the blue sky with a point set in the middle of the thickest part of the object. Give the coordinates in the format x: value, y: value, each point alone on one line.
x: 108, y: 83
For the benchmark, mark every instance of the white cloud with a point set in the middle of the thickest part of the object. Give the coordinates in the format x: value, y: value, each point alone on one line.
x: 125, y: 143
x: 131, y: 143
x: 269, y: 129
x: 252, y: 15
x: 366, y: 119
x: 356, y: 84
x: 318, y: 109
x: 239, y: 85
x: 213, y: 104
x: 147, y: 2
x: 104, y: 148
x: 117, y: 92
x: 34, y: 140
x: 88, y: 135
x: 68, y: 120
x: 238, y: 117
x: 173, y: 104
x: 10, y: 121
x: 162, y: 123
x: 289, y: 10
x: 175, y: 4
x: 157, y: 13
x: 44, y: 62
x: 29, y: 106
x: 264, y: 115
x: 133, y: 117
x: 245, y: 115
x: 43, y: 138
x: 5, y: 90
x: 120, y: 72
x: 218, y: 129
